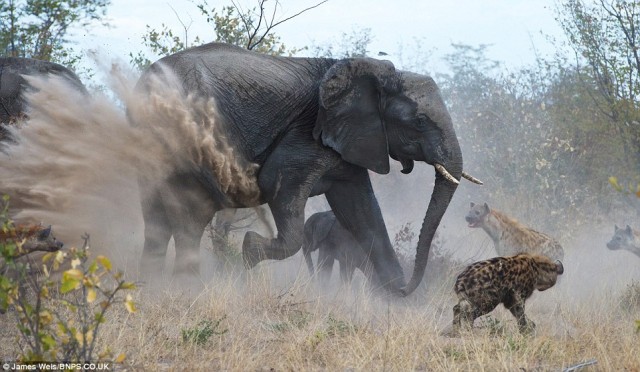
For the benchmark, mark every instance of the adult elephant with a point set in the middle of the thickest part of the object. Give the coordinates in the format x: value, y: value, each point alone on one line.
x: 311, y: 126
x: 323, y: 232
x: 13, y: 84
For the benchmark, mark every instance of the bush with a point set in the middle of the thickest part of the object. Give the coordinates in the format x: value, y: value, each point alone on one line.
x: 630, y: 298
x: 59, y: 316
x: 201, y: 333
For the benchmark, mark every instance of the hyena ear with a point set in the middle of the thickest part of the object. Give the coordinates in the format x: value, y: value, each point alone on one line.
x: 472, y: 204
x: 44, y: 234
x: 486, y: 207
x: 616, y: 228
x: 628, y: 229
x: 559, y: 267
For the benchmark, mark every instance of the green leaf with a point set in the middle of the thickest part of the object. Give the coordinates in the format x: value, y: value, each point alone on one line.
x: 93, y: 267
x: 128, y: 285
x: 69, y: 284
x: 48, y: 341
x: 614, y: 182
x: 104, y: 262
x: 99, y: 318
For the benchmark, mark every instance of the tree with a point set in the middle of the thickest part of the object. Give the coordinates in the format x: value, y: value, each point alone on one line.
x: 39, y: 28
x: 251, y: 29
x: 351, y: 45
x: 605, y: 39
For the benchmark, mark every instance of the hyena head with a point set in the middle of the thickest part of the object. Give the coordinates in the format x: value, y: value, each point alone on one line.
x: 623, y: 239
x: 477, y: 214
x: 34, y: 237
x: 548, y: 272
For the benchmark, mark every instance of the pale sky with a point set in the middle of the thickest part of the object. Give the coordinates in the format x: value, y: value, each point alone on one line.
x: 512, y: 27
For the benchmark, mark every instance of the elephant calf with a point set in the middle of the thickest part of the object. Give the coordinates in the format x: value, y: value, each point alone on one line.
x: 324, y: 233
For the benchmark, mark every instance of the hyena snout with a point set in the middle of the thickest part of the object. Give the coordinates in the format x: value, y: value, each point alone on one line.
x: 44, y: 241
x: 473, y: 220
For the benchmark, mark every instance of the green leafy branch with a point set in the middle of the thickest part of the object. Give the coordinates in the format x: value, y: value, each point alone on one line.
x: 628, y: 190
x: 59, y: 319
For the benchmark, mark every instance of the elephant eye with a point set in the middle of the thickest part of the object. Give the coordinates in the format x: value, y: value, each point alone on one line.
x: 422, y: 123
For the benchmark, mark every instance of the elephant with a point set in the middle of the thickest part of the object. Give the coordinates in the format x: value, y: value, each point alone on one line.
x: 323, y: 232
x: 307, y: 127
x: 13, y: 85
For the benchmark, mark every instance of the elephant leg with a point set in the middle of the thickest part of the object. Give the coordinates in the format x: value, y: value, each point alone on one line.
x: 308, y: 246
x: 326, y: 258
x: 286, y: 180
x: 346, y: 271
x: 356, y: 208
x: 190, y: 208
x: 157, y: 233
x: 187, y: 237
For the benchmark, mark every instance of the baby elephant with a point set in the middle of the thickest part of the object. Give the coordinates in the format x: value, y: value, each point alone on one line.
x: 508, y: 280
x: 324, y: 233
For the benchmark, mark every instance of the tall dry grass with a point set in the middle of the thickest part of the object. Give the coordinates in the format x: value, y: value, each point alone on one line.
x: 266, y: 323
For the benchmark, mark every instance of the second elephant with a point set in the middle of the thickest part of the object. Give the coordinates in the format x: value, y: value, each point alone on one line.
x: 13, y: 83
x: 324, y: 233
x: 295, y: 128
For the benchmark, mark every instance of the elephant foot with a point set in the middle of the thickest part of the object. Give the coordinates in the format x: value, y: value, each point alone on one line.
x: 151, y: 268
x: 253, y: 249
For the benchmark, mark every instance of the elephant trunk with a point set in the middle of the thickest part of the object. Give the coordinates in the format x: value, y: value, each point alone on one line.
x: 440, y: 198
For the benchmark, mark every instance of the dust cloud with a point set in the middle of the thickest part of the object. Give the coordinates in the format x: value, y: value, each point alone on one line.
x: 78, y: 157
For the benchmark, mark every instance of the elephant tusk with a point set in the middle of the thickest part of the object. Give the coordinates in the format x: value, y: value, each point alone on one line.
x: 472, y: 178
x: 443, y: 171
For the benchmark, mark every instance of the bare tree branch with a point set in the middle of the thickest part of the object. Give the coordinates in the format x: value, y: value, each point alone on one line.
x: 252, y: 32
x: 185, y: 27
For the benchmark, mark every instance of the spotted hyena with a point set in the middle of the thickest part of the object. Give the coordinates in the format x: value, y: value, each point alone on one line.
x: 25, y: 239
x: 502, y: 280
x: 627, y: 238
x: 509, y: 236
x: 30, y: 238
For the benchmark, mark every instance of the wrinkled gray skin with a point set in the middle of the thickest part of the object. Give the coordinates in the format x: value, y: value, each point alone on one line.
x: 323, y: 232
x: 314, y: 126
x: 13, y: 85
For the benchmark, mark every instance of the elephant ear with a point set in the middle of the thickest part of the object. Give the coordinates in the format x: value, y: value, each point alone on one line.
x: 352, y: 94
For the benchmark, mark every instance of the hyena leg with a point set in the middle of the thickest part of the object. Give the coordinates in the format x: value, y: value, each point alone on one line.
x: 463, y: 315
x: 516, y: 308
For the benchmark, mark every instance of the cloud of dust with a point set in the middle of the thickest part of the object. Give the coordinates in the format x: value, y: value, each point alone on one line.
x: 78, y: 158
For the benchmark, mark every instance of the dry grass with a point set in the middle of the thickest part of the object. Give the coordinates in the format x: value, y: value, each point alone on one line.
x: 266, y: 323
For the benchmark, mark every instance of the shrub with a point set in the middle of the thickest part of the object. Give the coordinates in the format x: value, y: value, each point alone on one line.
x: 630, y: 298
x: 59, y: 317
x: 201, y: 333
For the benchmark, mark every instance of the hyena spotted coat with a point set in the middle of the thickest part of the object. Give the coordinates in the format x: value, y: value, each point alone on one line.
x: 25, y: 239
x: 509, y: 236
x: 627, y: 239
x: 30, y: 238
x: 483, y: 285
